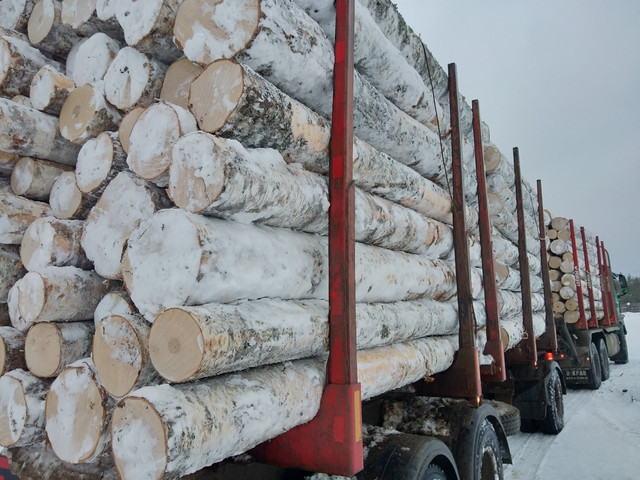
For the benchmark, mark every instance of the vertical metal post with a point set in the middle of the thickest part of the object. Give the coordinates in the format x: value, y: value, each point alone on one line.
x: 612, y: 305
x: 549, y: 339
x: 462, y: 379
x: 581, y: 324
x: 496, y: 372
x: 332, y: 441
x: 593, y: 321
x: 606, y: 321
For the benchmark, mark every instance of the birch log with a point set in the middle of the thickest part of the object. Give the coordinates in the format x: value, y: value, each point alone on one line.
x: 19, y: 62
x: 94, y: 56
x: 77, y: 412
x: 22, y: 398
x: 31, y: 133
x: 121, y: 354
x: 11, y: 269
x: 126, y: 125
x: 188, y: 343
x: 132, y: 78
x: 47, y: 30
x: 16, y: 214
x: 7, y: 162
x: 211, y: 260
x: 212, y: 175
x: 114, y: 303
x: 14, y: 14
x: 49, y: 89
x: 152, y: 138
x: 177, y: 80
x: 49, y: 347
x: 33, y: 179
x: 99, y: 161
x: 66, y: 199
x: 243, y: 103
x: 85, y: 114
x: 61, y: 294
x: 125, y: 202
x: 11, y: 349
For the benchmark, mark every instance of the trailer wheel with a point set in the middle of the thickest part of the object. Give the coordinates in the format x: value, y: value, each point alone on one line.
x: 595, y: 368
x: 553, y: 422
x: 481, y: 458
x: 604, y: 359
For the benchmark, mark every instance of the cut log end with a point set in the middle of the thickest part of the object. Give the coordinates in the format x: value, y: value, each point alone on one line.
x: 117, y: 355
x: 43, y: 347
x: 94, y: 162
x: 126, y: 125
x: 75, y: 415
x: 41, y: 21
x: 139, y: 440
x: 215, y: 94
x: 175, y: 345
x: 31, y: 296
x: 13, y: 407
x: 177, y: 80
x: 79, y: 113
x: 66, y: 197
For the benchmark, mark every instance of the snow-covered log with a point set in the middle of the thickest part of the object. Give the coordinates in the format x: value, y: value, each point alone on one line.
x: 49, y: 89
x: 188, y: 343
x: 16, y: 214
x: 49, y: 347
x: 125, y: 202
x: 219, y: 177
x: 148, y: 26
x: 60, y: 294
x: 14, y: 14
x: 19, y: 62
x: 79, y: 15
x: 99, y: 161
x: 66, y: 199
x: 121, y: 354
x: 31, y: 133
x: 33, y: 179
x: 77, y: 414
x: 114, y: 303
x: 152, y: 138
x: 93, y: 57
x: 52, y: 242
x: 11, y: 349
x: 47, y: 31
x: 22, y: 397
x: 85, y: 114
x: 211, y: 260
x: 11, y: 269
x: 177, y: 80
x: 133, y: 78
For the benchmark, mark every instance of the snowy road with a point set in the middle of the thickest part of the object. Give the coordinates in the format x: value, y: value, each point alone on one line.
x: 601, y: 438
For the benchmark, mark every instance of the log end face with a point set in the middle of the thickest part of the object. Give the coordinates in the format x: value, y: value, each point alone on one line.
x: 75, y: 415
x: 43, y: 350
x: 40, y: 21
x: 215, y: 94
x: 126, y: 125
x: 138, y: 440
x: 22, y: 175
x: 13, y: 411
x: 207, y: 31
x: 176, y: 345
x: 94, y: 162
x: 77, y: 112
x: 36, y: 249
x: 117, y: 355
x: 31, y: 296
x: 66, y: 197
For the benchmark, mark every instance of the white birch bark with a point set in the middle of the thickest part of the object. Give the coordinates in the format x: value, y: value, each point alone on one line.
x: 47, y: 31
x: 11, y: 349
x: 11, y: 269
x: 22, y: 397
x: 16, y: 214
x: 33, y: 179
x: 31, y: 133
x: 49, y: 89
x: 77, y: 414
x: 121, y: 354
x: 113, y: 218
x: 50, y: 347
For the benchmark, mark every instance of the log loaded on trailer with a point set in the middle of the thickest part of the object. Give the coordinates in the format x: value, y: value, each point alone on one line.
x: 178, y: 292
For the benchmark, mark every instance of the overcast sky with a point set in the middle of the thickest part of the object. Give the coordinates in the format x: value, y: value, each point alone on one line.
x: 560, y: 79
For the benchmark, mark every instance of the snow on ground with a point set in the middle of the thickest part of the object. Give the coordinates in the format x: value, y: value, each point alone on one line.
x: 601, y: 437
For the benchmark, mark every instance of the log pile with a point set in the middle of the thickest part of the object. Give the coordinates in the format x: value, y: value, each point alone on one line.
x: 163, y: 219
x: 567, y: 280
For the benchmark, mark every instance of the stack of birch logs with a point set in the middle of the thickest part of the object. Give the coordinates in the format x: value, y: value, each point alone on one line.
x: 562, y: 272
x: 163, y: 221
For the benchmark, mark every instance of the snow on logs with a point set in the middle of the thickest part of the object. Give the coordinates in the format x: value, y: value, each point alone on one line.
x: 212, y: 260
x: 16, y: 214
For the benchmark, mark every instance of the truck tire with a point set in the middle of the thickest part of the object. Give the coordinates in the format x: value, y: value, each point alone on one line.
x: 553, y: 422
x: 595, y: 368
x: 509, y: 416
x: 481, y: 458
x: 604, y: 359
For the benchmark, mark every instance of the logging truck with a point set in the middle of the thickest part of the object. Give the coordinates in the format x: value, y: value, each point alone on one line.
x: 263, y: 238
